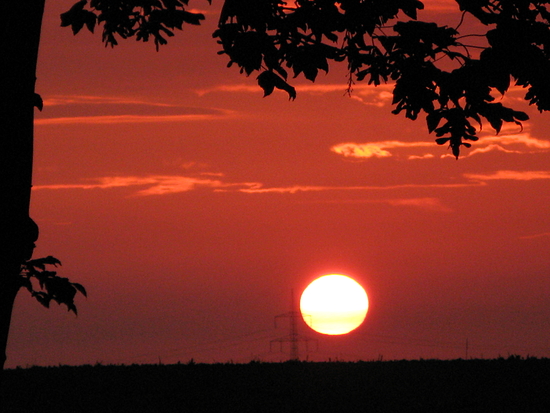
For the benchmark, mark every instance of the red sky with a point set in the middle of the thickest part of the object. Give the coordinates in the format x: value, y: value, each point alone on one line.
x: 189, y: 206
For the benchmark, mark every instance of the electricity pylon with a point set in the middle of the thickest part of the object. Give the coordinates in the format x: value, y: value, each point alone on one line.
x: 293, y: 337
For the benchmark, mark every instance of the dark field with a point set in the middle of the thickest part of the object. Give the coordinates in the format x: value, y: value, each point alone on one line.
x: 503, y: 385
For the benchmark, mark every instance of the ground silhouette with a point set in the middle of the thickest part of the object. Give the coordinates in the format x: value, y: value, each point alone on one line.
x: 504, y: 385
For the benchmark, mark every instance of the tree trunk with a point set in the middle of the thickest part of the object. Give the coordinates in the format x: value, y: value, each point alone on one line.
x: 20, y: 26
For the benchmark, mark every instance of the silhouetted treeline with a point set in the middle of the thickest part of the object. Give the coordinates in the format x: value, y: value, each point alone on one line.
x: 503, y: 385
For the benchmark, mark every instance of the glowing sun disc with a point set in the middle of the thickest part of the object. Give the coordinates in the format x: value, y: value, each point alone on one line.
x: 334, y: 304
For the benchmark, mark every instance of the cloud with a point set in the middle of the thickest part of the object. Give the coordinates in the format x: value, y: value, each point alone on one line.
x: 375, y: 149
x: 171, y: 184
x: 365, y: 150
x: 112, y: 119
x: 433, y: 204
x: 360, y: 92
x: 63, y: 100
x: 535, y: 236
x: 177, y: 184
x: 67, y: 109
x: 155, y: 184
x: 521, y: 139
x: 510, y: 175
x: 371, y: 95
x: 425, y: 156
x: 241, y: 87
x: 506, y: 142
x: 257, y: 188
x: 487, y: 149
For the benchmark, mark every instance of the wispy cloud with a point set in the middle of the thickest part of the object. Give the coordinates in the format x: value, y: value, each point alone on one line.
x: 511, y: 139
x: 171, y: 184
x: 433, y: 204
x: 510, y: 175
x: 535, y: 236
x: 378, y: 99
x: 360, y: 91
x: 257, y: 188
x: 63, y: 100
x: 241, y: 87
x: 425, y: 156
x: 117, y: 119
x: 154, y: 184
x: 506, y: 142
x: 158, y: 185
x: 487, y: 149
x: 375, y: 149
x: 67, y: 109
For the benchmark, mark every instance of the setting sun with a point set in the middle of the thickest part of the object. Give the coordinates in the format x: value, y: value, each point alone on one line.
x: 334, y: 304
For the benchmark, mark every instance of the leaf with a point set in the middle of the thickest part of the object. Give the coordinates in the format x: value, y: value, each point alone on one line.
x: 26, y: 282
x: 496, y: 114
x: 90, y: 19
x: 433, y: 120
x: 77, y: 17
x: 456, y: 150
x: 496, y: 123
x: 69, y: 16
x: 268, y: 81
x: 522, y: 116
x: 60, y: 289
x: 72, y: 307
x: 77, y: 25
x: 42, y: 298
x: 80, y: 288
x: 38, y: 102
x: 42, y: 262
x: 410, y: 8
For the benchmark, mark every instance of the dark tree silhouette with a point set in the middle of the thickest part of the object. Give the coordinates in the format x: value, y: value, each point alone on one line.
x: 435, y: 72
x: 20, y: 27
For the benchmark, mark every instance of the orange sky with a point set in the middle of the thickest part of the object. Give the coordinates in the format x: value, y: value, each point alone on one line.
x: 189, y: 206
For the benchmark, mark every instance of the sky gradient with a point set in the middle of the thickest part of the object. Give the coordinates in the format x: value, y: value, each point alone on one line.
x: 190, y: 207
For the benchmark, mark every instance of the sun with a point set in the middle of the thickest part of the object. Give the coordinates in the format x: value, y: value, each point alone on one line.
x: 334, y: 304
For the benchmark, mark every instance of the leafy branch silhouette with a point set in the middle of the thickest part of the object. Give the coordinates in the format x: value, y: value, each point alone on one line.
x: 433, y: 72
x: 128, y: 18
x: 51, y: 286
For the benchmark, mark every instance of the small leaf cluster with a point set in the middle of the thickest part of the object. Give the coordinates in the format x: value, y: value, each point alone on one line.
x: 142, y: 19
x: 51, y: 286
